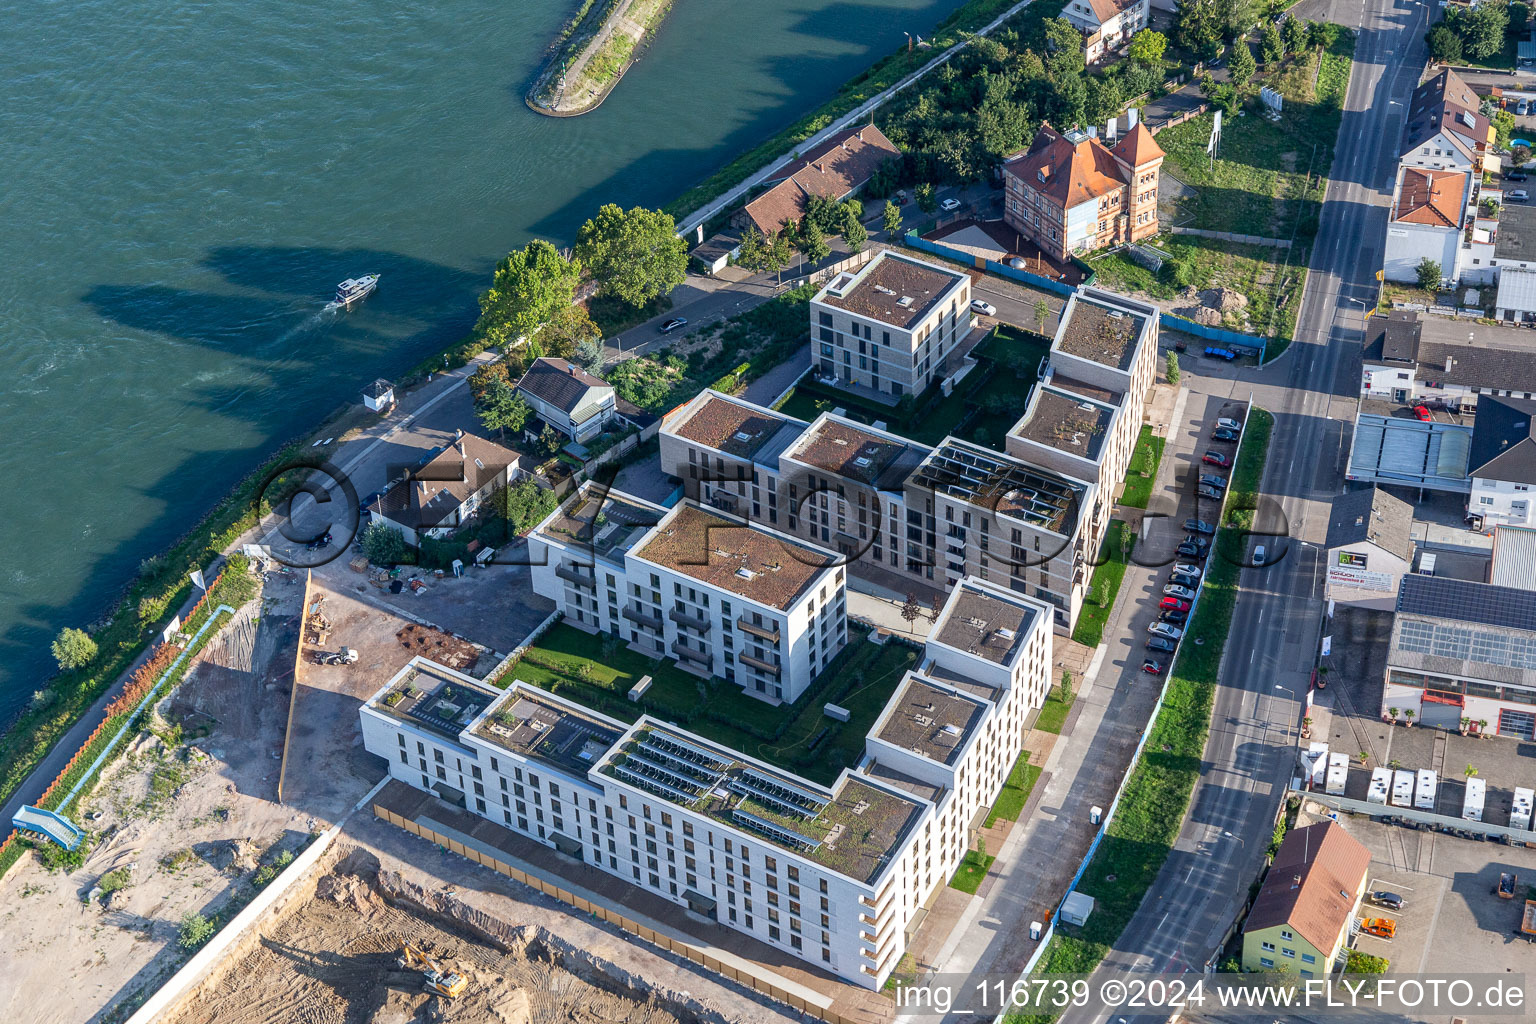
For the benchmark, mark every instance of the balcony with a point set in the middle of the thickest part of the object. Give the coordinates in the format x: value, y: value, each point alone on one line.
x: 576, y: 576
x: 954, y: 543
x: 692, y: 654
x: 770, y: 634
x: 761, y: 666
x: 694, y: 622
x: 641, y: 618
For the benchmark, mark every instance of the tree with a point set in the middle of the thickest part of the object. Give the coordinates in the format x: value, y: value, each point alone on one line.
x: 1503, y: 128
x: 910, y: 610
x: 524, y: 505
x: 1444, y: 45
x: 1173, y: 367
x: 590, y: 354
x: 527, y: 288
x: 73, y: 648
x: 926, y: 200
x: 482, y: 379
x: 1322, y: 34
x: 567, y: 328
x: 1295, y: 34
x: 1101, y: 99
x: 776, y: 254
x: 812, y: 243
x: 892, y: 218
x: 1242, y: 64
x: 855, y: 237
x: 1429, y: 274
x: 1236, y: 17
x: 1066, y: 687
x: 384, y: 545
x: 502, y: 409
x: 1482, y: 29
x: 1042, y: 314
x: 551, y: 440
x: 751, y: 253
x: 1199, y: 26
x: 1063, y: 54
x: 1356, y: 962
x: 1148, y: 47
x: 1271, y: 46
x: 634, y: 255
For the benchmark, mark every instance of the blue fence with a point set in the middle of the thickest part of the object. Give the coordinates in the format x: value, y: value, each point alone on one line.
x: 1232, y: 339
x: 990, y: 266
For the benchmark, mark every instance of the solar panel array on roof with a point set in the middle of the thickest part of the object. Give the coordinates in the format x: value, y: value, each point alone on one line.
x: 1447, y: 598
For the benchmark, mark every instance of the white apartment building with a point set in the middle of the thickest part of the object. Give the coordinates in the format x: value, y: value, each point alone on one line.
x: 1106, y: 25
x: 891, y: 324
x: 834, y: 875
x: 1501, y: 463
x: 726, y: 598
x: 1429, y: 210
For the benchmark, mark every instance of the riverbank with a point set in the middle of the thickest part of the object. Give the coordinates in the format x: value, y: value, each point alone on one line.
x: 600, y: 43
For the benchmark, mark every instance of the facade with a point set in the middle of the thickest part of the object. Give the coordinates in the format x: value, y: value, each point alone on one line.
x: 1301, y: 918
x: 834, y: 875
x: 1502, y: 462
x: 1398, y: 366
x: 1463, y: 650
x: 1444, y: 129
x: 1370, y: 546
x: 1070, y: 194
x: 1430, y: 210
x: 834, y: 170
x: 725, y: 598
x: 1106, y: 25
x: 444, y: 492
x: 890, y: 325
x: 568, y: 398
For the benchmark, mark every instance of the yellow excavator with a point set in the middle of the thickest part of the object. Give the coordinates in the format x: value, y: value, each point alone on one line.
x: 434, y: 976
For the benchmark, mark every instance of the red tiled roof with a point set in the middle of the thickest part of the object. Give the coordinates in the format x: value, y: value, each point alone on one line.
x: 1432, y: 198
x: 833, y: 169
x: 1137, y: 146
x: 1069, y: 173
x: 1311, y: 886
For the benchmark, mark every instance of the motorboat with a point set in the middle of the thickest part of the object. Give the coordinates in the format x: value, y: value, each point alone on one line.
x: 354, y: 290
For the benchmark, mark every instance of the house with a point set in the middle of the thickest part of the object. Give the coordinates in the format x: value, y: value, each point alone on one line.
x: 1430, y: 210
x: 441, y: 494
x: 1106, y: 25
x: 1370, y: 546
x: 1400, y: 367
x: 890, y: 325
x: 835, y: 169
x: 568, y: 398
x: 1502, y: 462
x: 1070, y: 193
x: 1301, y: 918
x: 1444, y: 130
x: 379, y: 396
x: 1461, y: 649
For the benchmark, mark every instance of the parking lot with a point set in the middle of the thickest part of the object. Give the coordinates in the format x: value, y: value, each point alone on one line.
x: 1451, y: 921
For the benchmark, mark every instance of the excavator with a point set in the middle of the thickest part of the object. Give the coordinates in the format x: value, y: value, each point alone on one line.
x: 434, y: 976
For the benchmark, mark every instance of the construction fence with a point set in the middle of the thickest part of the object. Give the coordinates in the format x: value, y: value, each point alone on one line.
x: 613, y: 917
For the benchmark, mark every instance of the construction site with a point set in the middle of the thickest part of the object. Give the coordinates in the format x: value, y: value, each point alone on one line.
x: 256, y: 758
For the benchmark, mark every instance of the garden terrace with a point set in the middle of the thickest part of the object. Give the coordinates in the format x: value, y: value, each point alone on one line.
x: 731, y: 427
x: 891, y: 289
x: 1002, y: 485
x: 624, y: 521
x: 853, y: 828
x: 728, y: 554
x: 930, y: 721
x: 1069, y: 423
x: 530, y: 725
x: 1104, y: 335
x: 984, y: 625
x: 424, y: 695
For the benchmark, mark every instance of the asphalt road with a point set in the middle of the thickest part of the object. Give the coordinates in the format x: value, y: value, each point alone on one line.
x: 1276, y: 622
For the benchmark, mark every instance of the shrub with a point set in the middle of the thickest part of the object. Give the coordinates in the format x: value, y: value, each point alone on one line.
x: 384, y: 545
x: 195, y: 930
x: 112, y: 881
x: 73, y: 648
x: 1173, y: 367
x: 1178, y: 273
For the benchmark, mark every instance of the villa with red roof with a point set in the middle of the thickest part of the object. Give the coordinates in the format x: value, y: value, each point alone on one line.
x: 835, y: 169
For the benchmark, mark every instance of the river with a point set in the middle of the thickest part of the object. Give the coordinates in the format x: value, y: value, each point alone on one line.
x: 184, y: 184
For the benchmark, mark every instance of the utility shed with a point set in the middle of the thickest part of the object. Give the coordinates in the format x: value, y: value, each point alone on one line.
x: 1076, y: 907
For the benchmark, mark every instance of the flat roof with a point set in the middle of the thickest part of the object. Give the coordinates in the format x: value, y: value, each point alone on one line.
x: 930, y: 721
x: 1465, y: 601
x: 1069, y: 423
x: 624, y: 520
x: 530, y: 724
x: 984, y: 623
x: 743, y: 558
x: 1104, y: 333
x: 733, y: 428
x: 891, y: 288
x: 1003, y: 485
x: 845, y: 449
x: 1517, y: 233
x: 435, y: 698
x: 1107, y: 396
x: 854, y: 827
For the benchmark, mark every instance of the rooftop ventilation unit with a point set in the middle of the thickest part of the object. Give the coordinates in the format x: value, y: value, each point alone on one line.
x: 904, y: 302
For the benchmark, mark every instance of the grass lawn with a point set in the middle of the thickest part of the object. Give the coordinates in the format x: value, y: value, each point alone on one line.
x: 598, y: 671
x: 1053, y: 715
x: 972, y: 870
x: 1009, y: 369
x: 1156, y: 797
x: 1021, y: 781
x: 1143, y: 469
x: 1118, y: 542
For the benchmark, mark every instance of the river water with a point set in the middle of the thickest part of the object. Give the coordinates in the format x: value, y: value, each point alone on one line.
x: 184, y: 184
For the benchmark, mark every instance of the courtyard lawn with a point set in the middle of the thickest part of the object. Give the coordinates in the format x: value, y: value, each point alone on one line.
x: 1118, y: 542
x: 1143, y: 469
x: 1021, y: 781
x: 1008, y: 368
x: 598, y: 671
x: 972, y: 870
x: 1053, y: 714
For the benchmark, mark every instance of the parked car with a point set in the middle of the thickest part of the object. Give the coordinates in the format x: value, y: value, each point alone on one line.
x: 1161, y: 643
x: 1174, y: 590
x: 1152, y: 667
x: 1173, y: 604
x: 1215, y: 459
x: 1190, y: 549
x: 1384, y: 898
x: 984, y: 308
x: 1212, y: 480
x: 1519, y: 195
x: 1258, y: 555
x: 672, y: 325
x: 1166, y: 629
x: 950, y: 205
x: 1184, y: 580
x: 1174, y: 615
x: 1221, y: 353
x: 1422, y: 413
x: 1188, y: 569
x: 1198, y: 526
x: 1516, y: 176
x: 1226, y: 434
x: 1207, y: 491
x: 1229, y: 423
